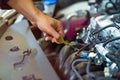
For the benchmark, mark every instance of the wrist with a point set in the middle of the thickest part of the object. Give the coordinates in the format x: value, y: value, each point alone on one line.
x: 35, y: 17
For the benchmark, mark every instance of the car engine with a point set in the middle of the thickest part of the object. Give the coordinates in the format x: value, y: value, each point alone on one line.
x: 94, y: 55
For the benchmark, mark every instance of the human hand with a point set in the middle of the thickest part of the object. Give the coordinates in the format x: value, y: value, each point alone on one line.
x: 51, y: 28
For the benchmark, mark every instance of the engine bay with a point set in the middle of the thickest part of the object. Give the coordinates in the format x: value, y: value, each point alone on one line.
x: 93, y: 53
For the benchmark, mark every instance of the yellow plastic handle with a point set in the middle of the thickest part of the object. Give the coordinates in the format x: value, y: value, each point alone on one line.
x: 62, y: 42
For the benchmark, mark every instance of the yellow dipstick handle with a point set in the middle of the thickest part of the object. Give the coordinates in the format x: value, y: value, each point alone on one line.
x: 62, y: 42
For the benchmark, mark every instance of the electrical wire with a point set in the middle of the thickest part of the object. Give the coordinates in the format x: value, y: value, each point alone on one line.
x: 114, y: 9
x: 88, y: 69
x: 83, y: 48
x: 117, y: 53
x: 108, y: 41
x: 113, y: 25
x: 95, y: 32
x: 74, y: 69
x: 111, y: 2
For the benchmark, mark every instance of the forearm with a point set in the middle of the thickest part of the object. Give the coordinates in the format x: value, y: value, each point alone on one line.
x: 50, y: 26
x: 26, y: 7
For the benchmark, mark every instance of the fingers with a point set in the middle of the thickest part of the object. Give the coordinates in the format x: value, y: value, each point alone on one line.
x: 60, y: 29
x: 48, y: 37
x: 52, y: 30
x: 53, y: 33
x: 56, y: 31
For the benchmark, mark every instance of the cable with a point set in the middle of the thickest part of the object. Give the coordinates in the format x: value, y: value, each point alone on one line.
x: 95, y: 32
x: 83, y: 48
x: 110, y: 41
x: 73, y: 67
x: 115, y: 7
x: 117, y: 53
x: 88, y: 69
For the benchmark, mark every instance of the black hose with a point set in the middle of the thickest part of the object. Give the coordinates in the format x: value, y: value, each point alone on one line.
x: 88, y: 69
x: 115, y: 9
x: 74, y: 69
x: 95, y: 32
x: 108, y: 41
x: 114, y: 5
